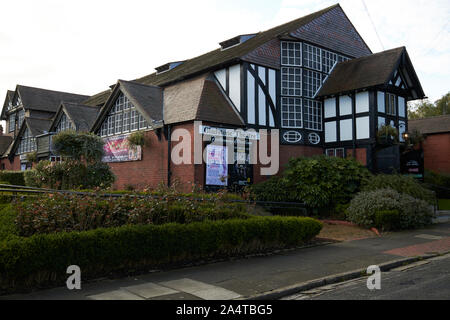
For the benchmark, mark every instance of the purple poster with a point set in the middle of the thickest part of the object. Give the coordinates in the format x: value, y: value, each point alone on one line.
x: 216, y: 166
x: 117, y: 149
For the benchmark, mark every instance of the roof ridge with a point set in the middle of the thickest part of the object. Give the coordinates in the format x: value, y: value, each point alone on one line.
x: 432, y: 117
x: 138, y: 83
x: 48, y: 90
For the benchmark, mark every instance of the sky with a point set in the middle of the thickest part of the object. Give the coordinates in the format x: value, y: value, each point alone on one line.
x: 84, y: 46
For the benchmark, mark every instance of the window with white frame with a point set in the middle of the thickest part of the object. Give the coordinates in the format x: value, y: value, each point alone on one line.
x: 311, y: 82
x: 291, y: 81
x: 335, y: 152
x: 12, y: 122
x: 27, y: 142
x: 21, y: 116
x: 313, y: 114
x: 312, y: 57
x: 342, y: 58
x: 291, y: 112
x: 390, y: 104
x: 291, y: 53
x: 64, y: 124
x: 122, y: 118
x: 328, y: 60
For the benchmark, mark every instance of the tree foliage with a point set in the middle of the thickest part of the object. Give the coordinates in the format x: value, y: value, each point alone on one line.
x: 426, y: 109
x: 79, y: 145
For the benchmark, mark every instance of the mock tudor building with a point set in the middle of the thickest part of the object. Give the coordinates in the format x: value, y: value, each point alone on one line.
x: 314, y: 79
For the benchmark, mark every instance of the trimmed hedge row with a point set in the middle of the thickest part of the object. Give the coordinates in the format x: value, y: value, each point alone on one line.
x: 42, y: 260
x: 13, y: 177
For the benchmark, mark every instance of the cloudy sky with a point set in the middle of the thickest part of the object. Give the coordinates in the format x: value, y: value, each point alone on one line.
x: 83, y: 46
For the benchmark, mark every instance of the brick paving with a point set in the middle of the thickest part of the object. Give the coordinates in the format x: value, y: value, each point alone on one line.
x: 438, y: 246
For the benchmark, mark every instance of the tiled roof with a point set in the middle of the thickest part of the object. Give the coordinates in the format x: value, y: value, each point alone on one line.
x: 199, y: 98
x: 83, y: 116
x: 364, y: 72
x: 46, y: 100
x: 438, y: 124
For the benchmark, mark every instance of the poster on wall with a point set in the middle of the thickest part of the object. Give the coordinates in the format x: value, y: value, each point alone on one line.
x: 117, y: 149
x: 216, y: 166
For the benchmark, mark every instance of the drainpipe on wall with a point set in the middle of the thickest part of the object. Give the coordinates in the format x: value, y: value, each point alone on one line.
x: 169, y: 154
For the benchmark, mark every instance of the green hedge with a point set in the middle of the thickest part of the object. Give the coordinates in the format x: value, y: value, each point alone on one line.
x: 42, y: 260
x: 63, y: 212
x: 13, y: 177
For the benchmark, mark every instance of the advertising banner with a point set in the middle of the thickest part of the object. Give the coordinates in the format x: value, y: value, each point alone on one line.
x: 216, y: 166
x: 117, y: 149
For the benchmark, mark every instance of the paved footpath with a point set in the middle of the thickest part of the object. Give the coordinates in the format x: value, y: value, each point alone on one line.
x: 238, y: 279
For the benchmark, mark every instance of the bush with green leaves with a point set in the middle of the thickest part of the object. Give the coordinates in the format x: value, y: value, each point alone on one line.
x: 65, y: 212
x: 137, y: 139
x: 42, y: 260
x: 78, y: 145
x: 13, y: 177
x: 400, y: 183
x: 413, y: 212
x: 387, y: 219
x: 323, y: 182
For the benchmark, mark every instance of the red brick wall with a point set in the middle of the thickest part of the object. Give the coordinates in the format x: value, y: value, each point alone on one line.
x: 286, y: 152
x: 436, y: 150
x: 360, y: 155
x: 15, y: 165
x: 152, y: 169
x: 149, y: 171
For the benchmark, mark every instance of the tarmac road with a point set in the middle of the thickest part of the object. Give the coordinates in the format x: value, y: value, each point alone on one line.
x: 424, y: 280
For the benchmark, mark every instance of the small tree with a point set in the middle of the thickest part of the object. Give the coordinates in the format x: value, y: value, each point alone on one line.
x: 82, y: 167
x: 79, y: 146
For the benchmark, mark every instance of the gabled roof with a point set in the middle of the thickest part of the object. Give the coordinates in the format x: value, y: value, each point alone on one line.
x: 44, y: 100
x: 37, y: 127
x: 371, y: 71
x: 82, y: 116
x: 218, y: 58
x: 148, y: 100
x: 200, y: 98
x: 5, y: 142
x: 438, y: 124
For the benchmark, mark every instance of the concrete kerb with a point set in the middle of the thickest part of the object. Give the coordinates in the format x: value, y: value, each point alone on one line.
x: 336, y: 278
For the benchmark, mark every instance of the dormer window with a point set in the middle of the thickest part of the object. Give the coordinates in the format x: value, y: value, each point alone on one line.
x: 64, y: 124
x: 122, y: 118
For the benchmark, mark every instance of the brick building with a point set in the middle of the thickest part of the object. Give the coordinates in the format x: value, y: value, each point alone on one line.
x: 314, y: 81
x: 436, y: 146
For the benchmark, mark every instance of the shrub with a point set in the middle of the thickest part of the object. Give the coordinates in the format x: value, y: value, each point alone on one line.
x: 438, y: 182
x: 136, y: 139
x: 7, y: 227
x: 323, y: 182
x: 387, y: 219
x: 413, y: 212
x: 79, y: 145
x: 273, y: 189
x: 13, y: 177
x: 70, y: 174
x: 42, y: 260
x: 58, y: 212
x: 399, y: 183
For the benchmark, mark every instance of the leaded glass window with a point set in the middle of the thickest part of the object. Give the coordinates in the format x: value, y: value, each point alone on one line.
x: 291, y: 81
x: 291, y: 112
x: 27, y: 142
x: 122, y: 118
x: 312, y: 57
x: 291, y: 53
x: 313, y: 114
